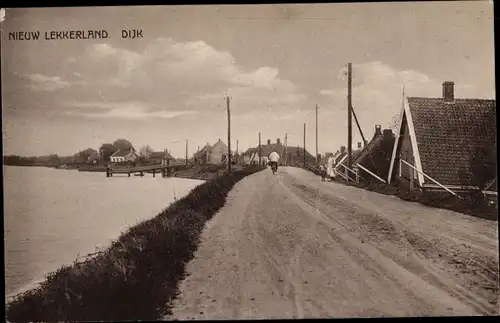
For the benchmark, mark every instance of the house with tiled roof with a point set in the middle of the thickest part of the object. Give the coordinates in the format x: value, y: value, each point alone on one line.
x: 295, y: 156
x: 443, y: 139
x: 159, y: 157
x: 289, y: 155
x: 338, y: 166
x: 376, y: 155
x: 251, y: 156
x: 121, y: 156
x: 215, y: 154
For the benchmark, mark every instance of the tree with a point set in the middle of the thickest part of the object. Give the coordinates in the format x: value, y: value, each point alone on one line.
x: 123, y: 144
x: 146, y: 152
x: 83, y: 156
x: 54, y: 159
x: 106, y: 151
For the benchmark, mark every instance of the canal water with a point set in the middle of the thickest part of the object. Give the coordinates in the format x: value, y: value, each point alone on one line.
x: 53, y: 216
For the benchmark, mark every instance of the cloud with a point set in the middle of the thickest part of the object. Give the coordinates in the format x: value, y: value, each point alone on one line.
x: 45, y: 83
x: 175, y: 76
x: 121, y: 110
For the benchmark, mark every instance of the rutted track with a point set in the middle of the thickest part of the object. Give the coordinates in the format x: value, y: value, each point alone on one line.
x: 290, y: 246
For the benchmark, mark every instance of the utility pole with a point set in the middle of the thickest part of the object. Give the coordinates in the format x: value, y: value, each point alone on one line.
x: 237, y: 154
x: 259, y: 152
x: 304, y: 145
x: 228, y: 136
x: 286, y: 148
x: 349, y: 116
x: 186, y: 152
x: 317, y: 161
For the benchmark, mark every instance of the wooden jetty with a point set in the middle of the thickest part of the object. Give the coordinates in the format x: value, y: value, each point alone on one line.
x: 163, y: 169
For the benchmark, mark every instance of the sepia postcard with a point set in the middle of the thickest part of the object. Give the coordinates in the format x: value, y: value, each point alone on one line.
x: 258, y: 161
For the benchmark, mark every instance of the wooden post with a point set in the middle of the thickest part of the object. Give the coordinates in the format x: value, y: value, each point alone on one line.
x: 154, y: 172
x: 365, y: 143
x: 349, y: 115
x: 260, y: 160
x: 186, y: 152
x: 304, y: 145
x: 228, y: 135
x: 286, y: 150
x: 317, y: 160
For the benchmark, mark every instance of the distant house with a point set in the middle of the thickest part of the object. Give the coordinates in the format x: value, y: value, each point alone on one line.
x: 121, y: 156
x: 158, y: 157
x: 289, y: 155
x: 295, y: 156
x: 439, y: 137
x: 376, y: 155
x: 251, y: 156
x: 216, y: 154
x: 340, y: 160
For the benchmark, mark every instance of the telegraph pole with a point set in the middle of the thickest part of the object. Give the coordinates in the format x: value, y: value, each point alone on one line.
x: 317, y: 161
x: 228, y: 135
x: 286, y: 149
x: 259, y: 151
x: 186, y: 152
x: 237, y: 152
x: 304, y: 145
x: 349, y: 116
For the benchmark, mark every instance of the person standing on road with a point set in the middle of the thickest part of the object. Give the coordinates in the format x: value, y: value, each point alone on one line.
x: 322, y: 170
x: 274, y: 157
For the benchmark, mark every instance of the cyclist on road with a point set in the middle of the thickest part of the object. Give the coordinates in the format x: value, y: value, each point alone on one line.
x: 273, y: 160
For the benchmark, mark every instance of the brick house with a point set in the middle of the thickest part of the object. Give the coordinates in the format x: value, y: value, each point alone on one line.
x: 294, y: 155
x: 121, y: 156
x: 441, y: 138
x: 216, y: 154
x: 251, y: 156
x: 159, y: 157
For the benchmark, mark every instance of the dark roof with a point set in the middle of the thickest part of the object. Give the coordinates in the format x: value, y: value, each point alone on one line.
x: 159, y: 155
x: 448, y: 133
x: 122, y: 153
x: 354, y: 156
x: 267, y: 149
x: 202, y: 152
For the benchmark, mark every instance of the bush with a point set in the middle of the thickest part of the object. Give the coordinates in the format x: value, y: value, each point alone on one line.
x: 137, y: 276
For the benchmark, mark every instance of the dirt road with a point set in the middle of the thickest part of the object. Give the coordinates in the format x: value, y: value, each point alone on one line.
x: 291, y: 246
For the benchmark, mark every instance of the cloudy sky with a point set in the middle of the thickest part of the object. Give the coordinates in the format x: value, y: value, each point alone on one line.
x: 276, y: 62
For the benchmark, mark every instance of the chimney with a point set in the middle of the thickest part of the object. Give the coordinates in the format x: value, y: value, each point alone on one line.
x: 268, y: 141
x: 448, y: 92
x: 342, y: 149
x: 378, y: 130
x: 387, y: 133
x: 359, y: 144
x: 278, y: 141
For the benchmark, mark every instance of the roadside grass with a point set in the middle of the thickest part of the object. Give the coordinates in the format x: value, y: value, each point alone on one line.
x: 137, y: 276
x: 471, y: 203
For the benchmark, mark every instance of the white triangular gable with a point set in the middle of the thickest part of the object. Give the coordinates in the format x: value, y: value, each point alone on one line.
x: 405, y: 112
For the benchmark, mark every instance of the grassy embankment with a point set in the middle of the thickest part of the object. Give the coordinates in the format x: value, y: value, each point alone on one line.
x: 471, y: 203
x: 137, y: 276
